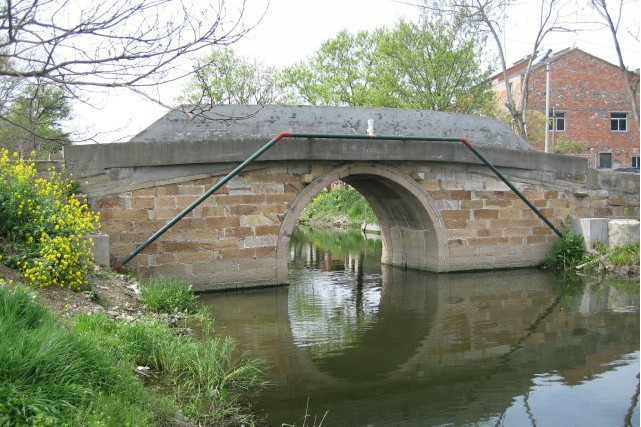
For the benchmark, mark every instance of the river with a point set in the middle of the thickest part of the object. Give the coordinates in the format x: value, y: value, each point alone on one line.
x: 351, y: 342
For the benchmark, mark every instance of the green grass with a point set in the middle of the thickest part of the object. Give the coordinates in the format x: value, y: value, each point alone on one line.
x: 83, y: 373
x: 625, y: 255
x: 51, y: 376
x: 165, y: 295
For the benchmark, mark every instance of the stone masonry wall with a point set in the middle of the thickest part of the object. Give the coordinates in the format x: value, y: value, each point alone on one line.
x: 486, y: 221
x: 230, y: 239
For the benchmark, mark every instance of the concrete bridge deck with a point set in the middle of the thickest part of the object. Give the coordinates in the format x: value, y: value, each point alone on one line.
x: 439, y: 208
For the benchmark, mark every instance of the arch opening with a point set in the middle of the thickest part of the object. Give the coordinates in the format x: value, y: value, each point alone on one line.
x: 412, y: 231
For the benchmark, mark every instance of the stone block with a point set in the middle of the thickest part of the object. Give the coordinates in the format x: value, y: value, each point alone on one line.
x: 100, y: 248
x: 622, y: 232
x: 591, y: 229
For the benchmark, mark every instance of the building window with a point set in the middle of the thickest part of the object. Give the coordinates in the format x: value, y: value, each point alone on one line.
x: 635, y: 161
x: 618, y: 122
x: 556, y: 120
x: 605, y: 160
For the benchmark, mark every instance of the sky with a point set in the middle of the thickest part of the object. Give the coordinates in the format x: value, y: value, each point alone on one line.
x: 292, y: 30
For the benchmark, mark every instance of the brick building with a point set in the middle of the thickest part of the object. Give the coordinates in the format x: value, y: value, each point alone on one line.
x: 590, y: 113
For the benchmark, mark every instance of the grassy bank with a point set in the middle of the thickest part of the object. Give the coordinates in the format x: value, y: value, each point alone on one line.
x: 341, y: 207
x: 92, y: 370
x: 569, y: 254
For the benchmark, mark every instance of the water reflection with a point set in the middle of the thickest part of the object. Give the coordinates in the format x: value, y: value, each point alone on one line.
x: 385, y: 346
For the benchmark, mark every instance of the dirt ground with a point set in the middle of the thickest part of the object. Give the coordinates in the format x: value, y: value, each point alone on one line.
x: 110, y: 292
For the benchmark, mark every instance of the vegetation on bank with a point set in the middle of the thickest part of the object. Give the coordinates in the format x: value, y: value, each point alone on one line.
x: 340, y: 207
x: 94, y: 369
x: 569, y: 253
x: 166, y: 295
x: 43, y: 225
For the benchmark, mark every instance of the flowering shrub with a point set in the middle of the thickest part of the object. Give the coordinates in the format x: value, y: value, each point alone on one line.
x: 43, y: 224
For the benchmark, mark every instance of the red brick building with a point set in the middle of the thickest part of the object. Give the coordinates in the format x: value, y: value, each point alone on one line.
x: 590, y: 113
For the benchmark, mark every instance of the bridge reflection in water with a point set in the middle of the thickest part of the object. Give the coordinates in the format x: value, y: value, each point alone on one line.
x: 384, y: 346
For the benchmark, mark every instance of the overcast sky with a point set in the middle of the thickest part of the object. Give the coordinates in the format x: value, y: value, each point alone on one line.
x: 292, y: 30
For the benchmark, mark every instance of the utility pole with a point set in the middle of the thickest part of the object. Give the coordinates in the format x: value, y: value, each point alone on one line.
x: 549, y: 119
x: 547, y: 106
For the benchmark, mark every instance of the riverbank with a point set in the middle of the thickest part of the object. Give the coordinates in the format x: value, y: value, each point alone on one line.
x: 620, y: 262
x: 150, y: 367
x: 340, y: 208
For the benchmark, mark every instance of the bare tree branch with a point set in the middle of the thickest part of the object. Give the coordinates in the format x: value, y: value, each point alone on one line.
x: 117, y: 43
x: 80, y: 46
x: 613, y: 23
x: 490, y: 16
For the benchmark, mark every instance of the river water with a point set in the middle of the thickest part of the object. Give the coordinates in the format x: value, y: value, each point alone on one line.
x: 353, y: 343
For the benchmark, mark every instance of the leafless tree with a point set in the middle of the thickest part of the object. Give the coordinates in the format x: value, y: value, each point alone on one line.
x: 490, y: 16
x: 83, y: 45
x: 116, y: 43
x: 612, y: 19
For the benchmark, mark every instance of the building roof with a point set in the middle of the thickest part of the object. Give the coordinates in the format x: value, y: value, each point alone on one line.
x: 519, y: 66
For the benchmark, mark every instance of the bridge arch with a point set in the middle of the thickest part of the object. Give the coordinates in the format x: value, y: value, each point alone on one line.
x: 412, y: 229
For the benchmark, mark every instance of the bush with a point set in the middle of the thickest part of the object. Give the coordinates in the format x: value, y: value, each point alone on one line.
x: 567, y: 253
x: 44, y: 225
x: 166, y: 295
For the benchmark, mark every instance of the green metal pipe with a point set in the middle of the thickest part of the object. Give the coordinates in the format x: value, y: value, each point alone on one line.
x: 282, y: 135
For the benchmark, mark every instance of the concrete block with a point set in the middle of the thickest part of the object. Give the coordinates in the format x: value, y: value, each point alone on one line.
x: 100, y: 248
x: 591, y: 229
x: 622, y: 232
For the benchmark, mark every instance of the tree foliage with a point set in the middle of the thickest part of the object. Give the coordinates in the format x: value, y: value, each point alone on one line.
x: 31, y: 123
x: 225, y: 78
x: 428, y: 65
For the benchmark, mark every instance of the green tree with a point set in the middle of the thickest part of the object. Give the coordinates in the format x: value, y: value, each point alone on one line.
x: 433, y: 65
x: 31, y: 121
x: 225, y: 78
x: 429, y: 65
x: 340, y: 73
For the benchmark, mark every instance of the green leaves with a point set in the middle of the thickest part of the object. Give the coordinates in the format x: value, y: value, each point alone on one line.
x: 32, y: 122
x: 224, y: 78
x: 430, y: 65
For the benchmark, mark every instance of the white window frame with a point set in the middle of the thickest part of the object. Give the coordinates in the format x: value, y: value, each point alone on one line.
x: 554, y: 118
x: 619, y: 120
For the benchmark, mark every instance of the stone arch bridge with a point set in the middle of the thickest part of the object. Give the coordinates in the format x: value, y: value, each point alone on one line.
x: 439, y: 208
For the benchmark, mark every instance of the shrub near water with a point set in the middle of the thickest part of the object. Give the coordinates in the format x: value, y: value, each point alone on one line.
x: 327, y: 205
x: 166, y: 295
x: 43, y: 224
x: 567, y: 252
